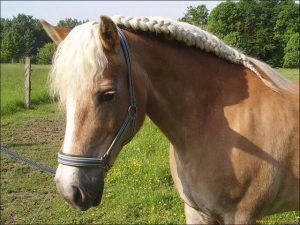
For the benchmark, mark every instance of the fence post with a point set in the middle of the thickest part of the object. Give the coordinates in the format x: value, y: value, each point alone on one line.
x: 27, y: 83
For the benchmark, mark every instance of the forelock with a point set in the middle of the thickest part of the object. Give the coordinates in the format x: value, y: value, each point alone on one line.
x: 79, y: 59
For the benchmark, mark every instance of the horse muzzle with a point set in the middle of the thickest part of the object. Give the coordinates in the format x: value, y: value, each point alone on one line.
x: 82, y: 188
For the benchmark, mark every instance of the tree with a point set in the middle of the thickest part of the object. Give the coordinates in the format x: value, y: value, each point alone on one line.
x: 4, y: 26
x: 287, y: 24
x: 223, y: 19
x: 46, y: 53
x: 249, y: 25
x: 291, y: 57
x: 30, y: 33
x: 287, y: 20
x: 23, y: 25
x: 24, y: 35
x: 10, y: 45
x: 258, y: 20
x: 233, y: 39
x: 70, y: 23
x: 196, y: 15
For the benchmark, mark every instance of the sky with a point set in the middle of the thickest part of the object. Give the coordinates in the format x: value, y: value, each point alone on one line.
x: 53, y: 11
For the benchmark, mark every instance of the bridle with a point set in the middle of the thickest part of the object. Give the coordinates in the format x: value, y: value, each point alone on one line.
x: 129, y: 124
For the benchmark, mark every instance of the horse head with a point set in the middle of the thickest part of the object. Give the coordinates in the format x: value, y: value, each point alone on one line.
x: 93, y: 81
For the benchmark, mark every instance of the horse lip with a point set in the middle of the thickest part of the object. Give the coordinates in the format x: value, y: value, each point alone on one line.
x: 97, y: 201
x: 84, y: 207
x: 98, y: 198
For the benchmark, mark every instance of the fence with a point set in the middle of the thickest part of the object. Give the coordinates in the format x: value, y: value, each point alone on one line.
x: 27, y: 83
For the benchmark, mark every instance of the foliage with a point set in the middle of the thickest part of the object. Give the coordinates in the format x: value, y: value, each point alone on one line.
x: 10, y: 46
x: 70, y: 23
x: 287, y: 24
x: 4, y: 26
x: 196, y: 15
x: 233, y: 39
x: 27, y: 33
x: 291, y: 56
x: 287, y: 21
x: 222, y: 19
x: 259, y: 28
x: 46, y: 53
x: 24, y: 35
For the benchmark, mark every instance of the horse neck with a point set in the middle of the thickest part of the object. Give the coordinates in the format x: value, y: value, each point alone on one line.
x: 186, y: 87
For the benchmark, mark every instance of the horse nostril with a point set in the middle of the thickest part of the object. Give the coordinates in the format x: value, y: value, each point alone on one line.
x: 78, y: 196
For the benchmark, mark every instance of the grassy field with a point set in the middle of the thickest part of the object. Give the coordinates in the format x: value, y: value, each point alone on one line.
x: 12, y: 87
x: 292, y: 74
x: 139, y: 188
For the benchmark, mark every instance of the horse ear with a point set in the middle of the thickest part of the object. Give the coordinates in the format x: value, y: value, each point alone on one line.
x: 57, y: 34
x: 109, y: 34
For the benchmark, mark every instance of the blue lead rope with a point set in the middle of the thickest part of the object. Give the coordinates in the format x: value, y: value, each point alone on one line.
x: 28, y: 161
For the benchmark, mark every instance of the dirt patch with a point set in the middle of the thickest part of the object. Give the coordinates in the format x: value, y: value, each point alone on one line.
x: 23, y: 185
x: 36, y: 132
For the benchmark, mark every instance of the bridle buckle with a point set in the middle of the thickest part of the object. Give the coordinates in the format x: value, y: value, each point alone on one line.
x: 132, y: 110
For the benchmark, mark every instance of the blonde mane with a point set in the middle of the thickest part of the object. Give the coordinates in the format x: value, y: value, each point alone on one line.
x: 79, y: 59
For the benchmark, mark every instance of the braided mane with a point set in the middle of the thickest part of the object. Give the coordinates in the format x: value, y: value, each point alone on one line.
x: 82, y: 47
x: 194, y: 36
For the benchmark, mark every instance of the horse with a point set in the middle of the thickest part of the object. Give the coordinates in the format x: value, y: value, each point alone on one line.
x: 232, y: 120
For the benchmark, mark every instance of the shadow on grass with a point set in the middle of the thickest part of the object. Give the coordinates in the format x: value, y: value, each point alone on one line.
x: 21, y: 145
x: 18, y: 106
x: 41, y: 100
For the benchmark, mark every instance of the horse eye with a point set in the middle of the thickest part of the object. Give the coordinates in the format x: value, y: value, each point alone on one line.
x: 106, y: 96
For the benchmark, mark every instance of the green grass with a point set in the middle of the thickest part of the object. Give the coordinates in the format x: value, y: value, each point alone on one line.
x: 292, y: 74
x: 12, y: 87
x: 138, y: 189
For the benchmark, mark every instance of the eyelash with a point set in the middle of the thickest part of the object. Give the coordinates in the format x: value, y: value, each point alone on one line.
x: 106, y: 96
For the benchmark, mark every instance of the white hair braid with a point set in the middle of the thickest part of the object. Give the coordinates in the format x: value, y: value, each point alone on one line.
x: 194, y: 36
